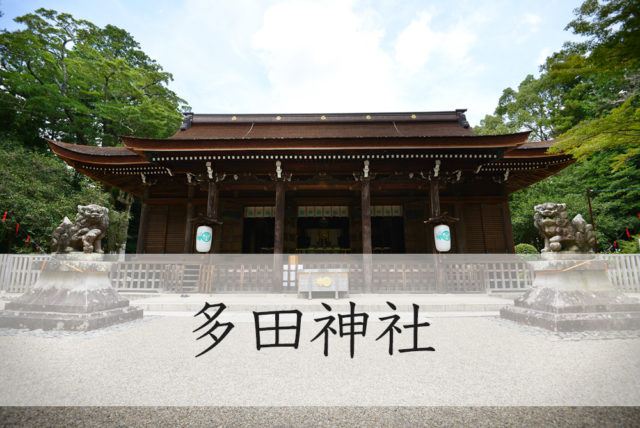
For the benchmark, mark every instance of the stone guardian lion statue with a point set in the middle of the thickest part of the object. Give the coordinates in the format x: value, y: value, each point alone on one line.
x: 561, y: 234
x: 85, y: 234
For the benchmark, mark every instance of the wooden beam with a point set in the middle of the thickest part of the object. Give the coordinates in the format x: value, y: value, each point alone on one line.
x: 366, y: 233
x: 434, y: 207
x: 278, y: 237
x: 508, y: 228
x: 460, y: 232
x: 213, y: 204
x: 366, y: 216
x: 434, y: 196
x: 144, y: 220
x: 212, y: 200
x: 278, y: 233
x: 188, y: 231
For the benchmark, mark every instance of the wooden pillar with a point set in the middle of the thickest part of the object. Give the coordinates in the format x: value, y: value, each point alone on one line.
x: 278, y: 233
x: 434, y: 207
x: 460, y: 232
x: 212, y: 200
x: 188, y: 231
x: 212, y: 205
x: 366, y: 216
x: 144, y: 220
x: 278, y: 237
x: 434, y: 196
x: 366, y: 234
x: 508, y: 228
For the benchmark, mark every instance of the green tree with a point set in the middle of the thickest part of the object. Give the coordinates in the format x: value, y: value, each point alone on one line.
x: 70, y: 80
x: 587, y: 98
x: 614, y: 199
x: 38, y: 190
x: 612, y: 49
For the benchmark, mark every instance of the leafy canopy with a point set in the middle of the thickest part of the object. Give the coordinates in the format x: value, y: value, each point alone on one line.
x: 38, y: 190
x: 587, y: 98
x: 587, y: 94
x: 70, y: 80
x: 613, y: 49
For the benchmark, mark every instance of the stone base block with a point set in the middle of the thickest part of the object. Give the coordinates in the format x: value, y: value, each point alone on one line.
x: 565, y: 322
x: 33, y: 320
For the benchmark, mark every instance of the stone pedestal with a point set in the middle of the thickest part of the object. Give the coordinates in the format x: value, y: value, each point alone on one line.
x: 573, y: 293
x: 73, y: 292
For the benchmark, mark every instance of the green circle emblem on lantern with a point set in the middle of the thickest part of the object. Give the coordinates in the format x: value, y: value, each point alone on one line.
x: 204, y: 237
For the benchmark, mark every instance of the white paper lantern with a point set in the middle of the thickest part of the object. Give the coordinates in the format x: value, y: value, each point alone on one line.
x: 442, y: 235
x: 204, y: 236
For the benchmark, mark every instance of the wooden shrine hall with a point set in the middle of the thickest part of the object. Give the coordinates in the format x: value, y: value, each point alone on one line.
x: 313, y: 183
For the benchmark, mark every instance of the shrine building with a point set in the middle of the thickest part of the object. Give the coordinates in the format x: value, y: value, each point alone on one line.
x: 314, y: 183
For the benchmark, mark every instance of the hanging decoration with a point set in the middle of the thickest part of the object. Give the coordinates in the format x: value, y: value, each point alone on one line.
x: 18, y: 231
x: 204, y: 236
x: 442, y: 235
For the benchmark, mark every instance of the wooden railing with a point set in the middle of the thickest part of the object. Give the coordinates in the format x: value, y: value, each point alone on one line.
x: 18, y: 272
x: 624, y: 271
x: 134, y: 276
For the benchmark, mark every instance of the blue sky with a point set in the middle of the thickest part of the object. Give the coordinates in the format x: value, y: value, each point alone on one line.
x: 295, y: 56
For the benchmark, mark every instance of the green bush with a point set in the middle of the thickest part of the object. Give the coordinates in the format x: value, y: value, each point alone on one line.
x: 526, y: 249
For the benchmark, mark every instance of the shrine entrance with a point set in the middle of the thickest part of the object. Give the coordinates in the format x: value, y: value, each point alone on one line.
x: 323, y: 235
x: 387, y: 235
x: 257, y: 235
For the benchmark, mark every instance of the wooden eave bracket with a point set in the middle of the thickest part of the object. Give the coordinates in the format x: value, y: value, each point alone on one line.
x: 204, y: 220
x: 443, y: 218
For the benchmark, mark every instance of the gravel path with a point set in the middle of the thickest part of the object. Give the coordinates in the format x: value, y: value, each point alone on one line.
x: 477, y: 362
x: 352, y: 417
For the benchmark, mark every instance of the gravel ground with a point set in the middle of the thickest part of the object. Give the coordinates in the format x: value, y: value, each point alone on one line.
x: 477, y: 362
x: 321, y: 416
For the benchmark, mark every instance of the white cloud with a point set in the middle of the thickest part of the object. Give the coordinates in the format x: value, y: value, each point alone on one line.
x: 418, y: 43
x: 542, y: 56
x: 531, y: 25
x: 323, y: 56
x: 532, y: 21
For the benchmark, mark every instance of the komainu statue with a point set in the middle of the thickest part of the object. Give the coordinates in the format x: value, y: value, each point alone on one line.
x: 561, y: 234
x: 85, y: 234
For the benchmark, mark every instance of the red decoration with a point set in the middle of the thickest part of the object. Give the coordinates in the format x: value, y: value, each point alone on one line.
x: 4, y: 217
x: 628, y: 234
x: 615, y: 244
x: 17, y: 227
x: 27, y: 238
x: 37, y: 247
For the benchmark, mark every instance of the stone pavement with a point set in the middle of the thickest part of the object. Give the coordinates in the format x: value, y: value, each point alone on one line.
x: 467, y: 303
x: 479, y: 304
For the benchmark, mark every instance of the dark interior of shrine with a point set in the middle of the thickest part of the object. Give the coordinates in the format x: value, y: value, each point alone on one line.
x: 387, y: 235
x: 323, y: 234
x: 257, y: 235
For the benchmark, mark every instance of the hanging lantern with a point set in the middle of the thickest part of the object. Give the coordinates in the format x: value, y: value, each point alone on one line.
x: 442, y: 235
x: 204, y: 236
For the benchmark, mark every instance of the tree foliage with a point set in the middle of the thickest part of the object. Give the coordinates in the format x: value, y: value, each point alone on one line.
x: 587, y: 94
x: 614, y: 199
x: 586, y: 97
x: 612, y: 28
x: 38, y: 190
x: 68, y: 79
